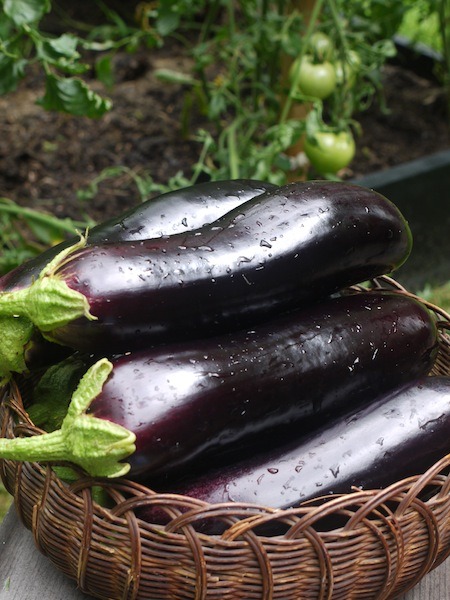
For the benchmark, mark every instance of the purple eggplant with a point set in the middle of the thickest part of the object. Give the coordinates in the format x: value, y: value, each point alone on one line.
x: 278, y: 251
x: 189, y: 401
x: 398, y: 435
x: 173, y: 212
x: 169, y: 213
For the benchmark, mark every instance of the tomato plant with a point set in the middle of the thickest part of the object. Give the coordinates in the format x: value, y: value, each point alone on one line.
x: 330, y: 151
x: 315, y: 80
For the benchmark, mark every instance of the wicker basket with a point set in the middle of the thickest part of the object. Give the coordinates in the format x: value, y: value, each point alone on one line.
x: 389, y: 539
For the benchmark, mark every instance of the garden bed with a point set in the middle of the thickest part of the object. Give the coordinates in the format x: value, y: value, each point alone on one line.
x: 46, y: 158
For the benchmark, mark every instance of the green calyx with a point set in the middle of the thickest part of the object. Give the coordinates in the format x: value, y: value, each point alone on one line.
x: 15, y: 334
x: 47, y: 304
x: 96, y: 445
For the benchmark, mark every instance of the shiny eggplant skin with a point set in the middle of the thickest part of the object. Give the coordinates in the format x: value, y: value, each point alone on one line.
x: 278, y: 251
x: 169, y: 213
x: 398, y: 435
x: 187, y: 401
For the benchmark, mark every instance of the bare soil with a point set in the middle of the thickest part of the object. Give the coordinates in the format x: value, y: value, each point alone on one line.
x: 45, y: 158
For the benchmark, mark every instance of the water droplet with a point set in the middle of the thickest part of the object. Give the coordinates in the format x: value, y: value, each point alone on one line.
x: 335, y: 471
x: 272, y: 470
x: 244, y: 259
x: 265, y: 244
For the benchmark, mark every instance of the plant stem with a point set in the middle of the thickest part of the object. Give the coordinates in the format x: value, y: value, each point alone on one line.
x: 316, y: 9
x: 232, y: 150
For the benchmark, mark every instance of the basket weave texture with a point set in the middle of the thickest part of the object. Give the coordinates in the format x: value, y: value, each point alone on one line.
x: 389, y: 539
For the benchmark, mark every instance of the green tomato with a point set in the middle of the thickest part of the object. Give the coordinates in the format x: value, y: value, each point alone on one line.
x: 321, y: 46
x: 316, y: 80
x: 329, y: 152
x: 347, y: 70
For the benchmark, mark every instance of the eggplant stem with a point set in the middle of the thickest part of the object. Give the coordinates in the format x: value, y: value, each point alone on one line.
x: 47, y: 304
x: 96, y: 445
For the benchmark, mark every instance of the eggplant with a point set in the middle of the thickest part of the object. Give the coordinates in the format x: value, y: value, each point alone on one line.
x: 183, y: 403
x: 169, y: 213
x: 399, y: 435
x: 276, y: 252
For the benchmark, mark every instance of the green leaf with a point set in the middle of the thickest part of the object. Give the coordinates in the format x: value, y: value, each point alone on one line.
x: 61, y: 53
x: 284, y: 135
x: 65, y: 45
x: 168, y: 20
x: 71, y: 95
x: 46, y: 233
x: 25, y: 12
x: 11, y: 72
x: 104, y: 71
x: 6, y: 26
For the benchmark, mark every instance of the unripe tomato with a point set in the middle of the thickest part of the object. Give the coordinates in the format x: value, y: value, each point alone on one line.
x: 347, y: 70
x: 329, y: 152
x: 321, y: 47
x: 316, y: 80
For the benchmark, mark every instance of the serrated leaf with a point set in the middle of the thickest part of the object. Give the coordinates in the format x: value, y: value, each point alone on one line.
x: 71, y: 95
x: 286, y: 134
x: 25, y: 12
x: 11, y: 72
x: 61, y: 53
x: 65, y: 45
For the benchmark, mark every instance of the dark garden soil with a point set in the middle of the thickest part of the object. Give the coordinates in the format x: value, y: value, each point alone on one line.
x: 45, y: 158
